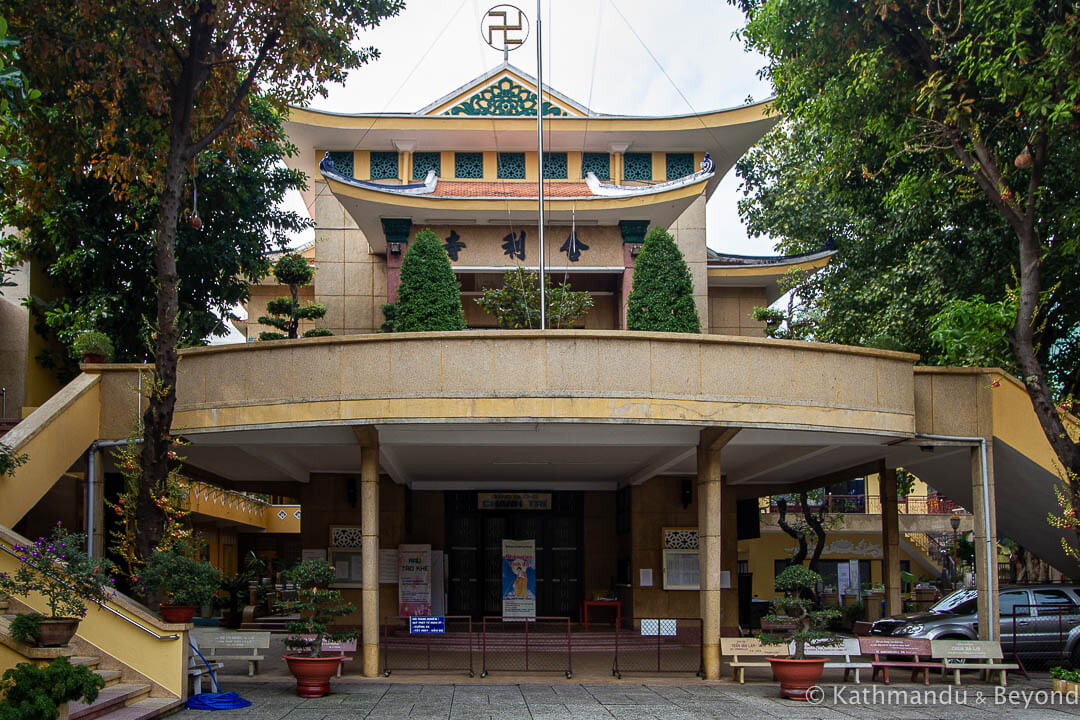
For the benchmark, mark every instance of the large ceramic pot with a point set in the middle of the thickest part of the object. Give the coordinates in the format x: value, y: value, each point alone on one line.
x: 313, y: 674
x: 177, y: 613
x: 93, y: 358
x: 54, y: 632
x: 797, y: 676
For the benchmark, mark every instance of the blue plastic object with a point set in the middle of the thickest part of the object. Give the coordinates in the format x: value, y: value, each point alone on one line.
x: 215, y: 700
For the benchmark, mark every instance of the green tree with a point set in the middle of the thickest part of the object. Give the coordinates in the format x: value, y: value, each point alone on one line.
x: 662, y: 297
x: 516, y: 304
x: 292, y: 269
x: 96, y: 249
x: 970, y: 107
x: 36, y: 693
x: 429, y: 297
x: 153, y: 86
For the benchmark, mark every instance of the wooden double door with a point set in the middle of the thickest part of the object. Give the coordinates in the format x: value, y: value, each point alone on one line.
x: 474, y: 542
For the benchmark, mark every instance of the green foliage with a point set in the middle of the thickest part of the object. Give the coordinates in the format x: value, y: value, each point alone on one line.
x: 799, y: 584
x: 294, y: 270
x: 662, y: 297
x: 10, y: 460
x: 183, y: 579
x: 516, y: 304
x: 92, y: 343
x: 36, y: 693
x: 15, y: 98
x: 905, y: 482
x: 97, y: 250
x: 974, y: 332
x: 389, y: 311
x: 429, y: 297
x: 58, y: 568
x: 1067, y: 674
x: 25, y: 628
x: 317, y: 606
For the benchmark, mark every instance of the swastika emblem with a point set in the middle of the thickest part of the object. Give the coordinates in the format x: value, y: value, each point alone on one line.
x: 505, y: 27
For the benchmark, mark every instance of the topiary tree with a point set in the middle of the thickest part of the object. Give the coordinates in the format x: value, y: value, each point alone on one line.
x: 662, y: 298
x: 294, y: 270
x: 429, y: 297
x: 517, y: 303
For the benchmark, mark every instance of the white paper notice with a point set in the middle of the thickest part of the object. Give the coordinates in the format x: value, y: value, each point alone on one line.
x: 388, y: 566
x: 725, y: 579
x: 645, y: 580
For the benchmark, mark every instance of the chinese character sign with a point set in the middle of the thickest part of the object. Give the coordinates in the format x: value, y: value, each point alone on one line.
x: 414, y: 580
x: 573, y: 247
x: 454, y: 245
x: 514, y: 245
x: 519, y: 579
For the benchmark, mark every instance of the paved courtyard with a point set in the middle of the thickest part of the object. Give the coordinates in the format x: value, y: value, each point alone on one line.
x: 630, y: 701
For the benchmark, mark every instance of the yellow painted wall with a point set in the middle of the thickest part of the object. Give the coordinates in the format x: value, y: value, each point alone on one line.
x: 730, y: 310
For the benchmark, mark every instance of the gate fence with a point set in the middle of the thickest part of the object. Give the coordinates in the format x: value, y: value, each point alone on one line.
x: 659, y: 645
x: 451, y: 651
x: 543, y: 644
x: 1040, y: 634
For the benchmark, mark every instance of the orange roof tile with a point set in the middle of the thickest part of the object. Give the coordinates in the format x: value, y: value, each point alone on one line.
x: 553, y: 189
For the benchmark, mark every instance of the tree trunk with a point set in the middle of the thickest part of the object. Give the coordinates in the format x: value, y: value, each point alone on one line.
x: 781, y: 506
x: 157, y: 420
x: 816, y: 523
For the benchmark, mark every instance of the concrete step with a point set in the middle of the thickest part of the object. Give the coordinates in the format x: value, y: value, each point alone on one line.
x: 90, y: 662
x: 144, y: 709
x: 111, y: 677
x: 111, y: 698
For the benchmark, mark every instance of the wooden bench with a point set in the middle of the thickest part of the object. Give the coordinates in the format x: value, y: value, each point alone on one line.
x: 847, y: 649
x: 197, y: 669
x: 237, y: 646
x: 911, y: 649
x: 738, y: 648
x: 957, y: 655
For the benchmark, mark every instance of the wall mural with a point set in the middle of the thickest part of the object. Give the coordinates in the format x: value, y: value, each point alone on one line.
x: 847, y: 548
x: 503, y: 97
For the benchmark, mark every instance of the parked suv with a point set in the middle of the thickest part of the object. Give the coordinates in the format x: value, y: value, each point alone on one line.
x: 1037, y: 621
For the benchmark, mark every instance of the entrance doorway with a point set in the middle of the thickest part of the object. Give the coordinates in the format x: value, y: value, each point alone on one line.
x: 474, y: 553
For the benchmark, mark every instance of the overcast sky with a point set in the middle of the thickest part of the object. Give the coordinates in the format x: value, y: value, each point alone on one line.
x: 590, y: 54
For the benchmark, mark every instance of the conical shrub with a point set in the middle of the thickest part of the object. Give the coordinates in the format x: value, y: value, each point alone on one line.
x: 429, y: 297
x: 662, y: 297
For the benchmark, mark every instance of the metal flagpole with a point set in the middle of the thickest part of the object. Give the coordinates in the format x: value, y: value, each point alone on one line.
x: 540, y: 157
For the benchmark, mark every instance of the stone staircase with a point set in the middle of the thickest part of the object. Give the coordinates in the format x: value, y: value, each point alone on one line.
x: 116, y: 701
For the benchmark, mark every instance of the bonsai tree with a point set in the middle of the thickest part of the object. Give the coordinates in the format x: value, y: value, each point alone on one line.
x: 798, y: 583
x: 285, y: 313
x: 317, y: 606
x: 516, y: 304
x: 93, y: 343
x: 184, y: 581
x: 662, y: 297
x: 29, y: 692
x: 59, y: 569
x: 429, y: 297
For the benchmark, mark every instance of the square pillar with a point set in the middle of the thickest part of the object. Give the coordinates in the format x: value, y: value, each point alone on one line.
x: 633, y: 235
x: 369, y: 514
x: 985, y: 538
x: 397, y: 242
x: 715, y: 526
x: 890, y: 540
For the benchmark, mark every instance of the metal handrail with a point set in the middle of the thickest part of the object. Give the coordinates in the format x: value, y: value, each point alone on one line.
x: 100, y: 605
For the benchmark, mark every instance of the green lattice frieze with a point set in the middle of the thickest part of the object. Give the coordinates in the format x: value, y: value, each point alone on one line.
x: 504, y: 97
x: 425, y: 161
x: 555, y: 166
x: 679, y: 165
x: 511, y: 166
x: 342, y: 162
x: 637, y: 166
x: 384, y: 165
x: 597, y: 163
x: 469, y: 165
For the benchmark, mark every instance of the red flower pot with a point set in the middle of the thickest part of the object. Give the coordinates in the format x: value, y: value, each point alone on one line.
x: 797, y: 676
x: 177, y: 613
x: 55, y: 632
x: 313, y: 673
x: 93, y: 358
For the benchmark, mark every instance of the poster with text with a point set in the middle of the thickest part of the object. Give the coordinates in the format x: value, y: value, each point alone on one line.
x: 519, y: 579
x: 414, y: 580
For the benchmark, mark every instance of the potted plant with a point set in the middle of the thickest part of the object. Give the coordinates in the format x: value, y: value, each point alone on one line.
x: 317, y: 606
x: 186, y: 583
x: 29, y: 691
x: 93, y: 347
x: 797, y: 606
x: 59, y: 569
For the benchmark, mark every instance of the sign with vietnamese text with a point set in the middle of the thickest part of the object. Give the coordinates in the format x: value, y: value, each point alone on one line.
x: 414, y: 580
x: 519, y: 579
x: 427, y: 625
x: 513, y: 501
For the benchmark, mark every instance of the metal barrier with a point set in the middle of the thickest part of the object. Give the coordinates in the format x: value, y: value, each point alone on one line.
x: 450, y: 651
x: 659, y: 645
x: 537, y: 645
x: 1039, y: 633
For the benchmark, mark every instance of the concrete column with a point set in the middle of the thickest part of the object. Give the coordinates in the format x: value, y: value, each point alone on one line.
x: 986, y: 575
x: 369, y: 513
x: 729, y: 559
x: 711, y: 516
x: 633, y: 235
x: 890, y: 540
x: 397, y: 232
x: 96, y: 491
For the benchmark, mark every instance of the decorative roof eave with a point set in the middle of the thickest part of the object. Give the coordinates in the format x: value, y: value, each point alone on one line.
x: 482, y: 81
x: 724, y: 263
x: 600, y: 191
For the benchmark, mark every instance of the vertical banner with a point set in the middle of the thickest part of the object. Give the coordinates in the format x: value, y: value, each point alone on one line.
x: 519, y: 579
x: 414, y: 580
